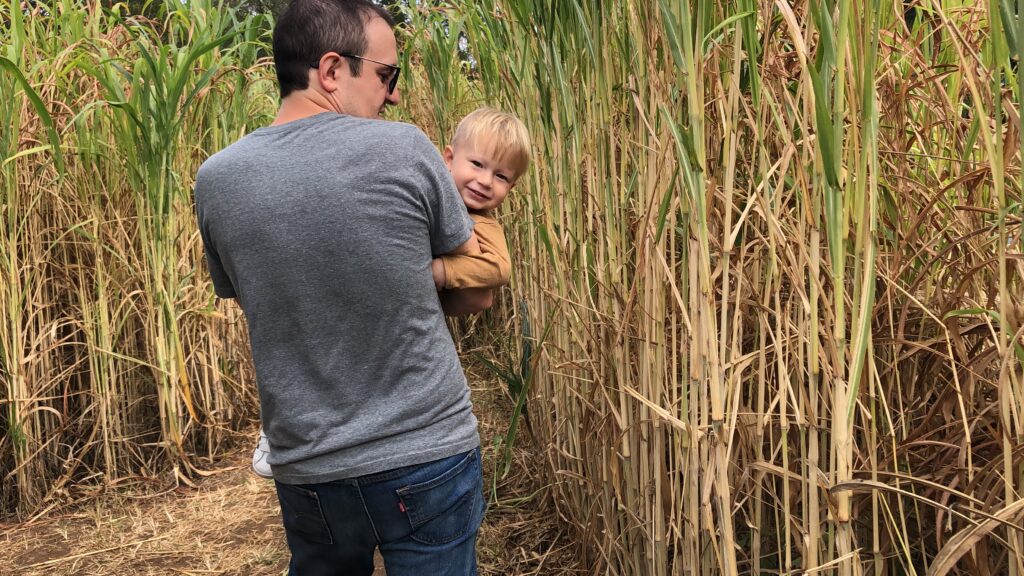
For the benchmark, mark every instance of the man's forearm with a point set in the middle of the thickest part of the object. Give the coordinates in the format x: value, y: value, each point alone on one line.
x: 466, y: 302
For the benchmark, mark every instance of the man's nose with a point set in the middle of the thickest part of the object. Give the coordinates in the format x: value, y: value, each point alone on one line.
x: 393, y: 98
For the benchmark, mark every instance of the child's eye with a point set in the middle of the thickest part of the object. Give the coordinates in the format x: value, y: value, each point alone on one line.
x: 476, y: 163
x: 501, y: 177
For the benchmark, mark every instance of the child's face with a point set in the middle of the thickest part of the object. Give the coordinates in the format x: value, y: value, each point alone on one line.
x: 482, y: 181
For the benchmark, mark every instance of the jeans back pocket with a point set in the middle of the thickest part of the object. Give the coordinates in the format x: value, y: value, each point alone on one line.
x: 443, y: 509
x: 302, y: 515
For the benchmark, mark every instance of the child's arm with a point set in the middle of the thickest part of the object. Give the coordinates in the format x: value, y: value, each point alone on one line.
x: 468, y: 248
x: 487, y: 267
x: 463, y: 302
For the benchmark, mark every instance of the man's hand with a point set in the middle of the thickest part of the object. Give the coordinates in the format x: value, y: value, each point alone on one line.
x: 466, y: 301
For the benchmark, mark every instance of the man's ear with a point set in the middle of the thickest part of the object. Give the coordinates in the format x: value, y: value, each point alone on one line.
x: 448, y: 155
x: 329, y: 71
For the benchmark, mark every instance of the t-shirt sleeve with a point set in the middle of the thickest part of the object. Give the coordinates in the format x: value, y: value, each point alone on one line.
x: 488, y: 268
x: 447, y: 219
x: 222, y: 285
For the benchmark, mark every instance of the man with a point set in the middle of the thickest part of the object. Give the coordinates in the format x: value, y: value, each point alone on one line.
x: 323, y: 226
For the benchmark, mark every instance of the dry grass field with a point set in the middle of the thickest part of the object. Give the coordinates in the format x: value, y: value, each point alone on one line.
x: 765, y: 314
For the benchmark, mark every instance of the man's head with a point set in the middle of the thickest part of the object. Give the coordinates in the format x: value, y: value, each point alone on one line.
x: 345, y: 50
x: 488, y: 153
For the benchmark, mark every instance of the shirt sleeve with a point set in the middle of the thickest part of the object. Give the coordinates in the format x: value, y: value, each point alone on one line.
x: 222, y: 285
x: 448, y: 221
x: 489, y: 268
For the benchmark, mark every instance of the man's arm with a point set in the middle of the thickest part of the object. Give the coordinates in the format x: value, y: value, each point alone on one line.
x: 466, y: 301
x: 222, y: 285
x: 470, y: 246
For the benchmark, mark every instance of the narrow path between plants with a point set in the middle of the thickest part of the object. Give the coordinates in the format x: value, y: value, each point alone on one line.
x: 229, y: 523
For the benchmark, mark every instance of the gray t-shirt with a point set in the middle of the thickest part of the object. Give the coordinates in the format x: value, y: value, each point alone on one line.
x: 324, y: 229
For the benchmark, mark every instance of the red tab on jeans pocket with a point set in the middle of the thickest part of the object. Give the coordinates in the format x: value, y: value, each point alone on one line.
x: 401, y: 506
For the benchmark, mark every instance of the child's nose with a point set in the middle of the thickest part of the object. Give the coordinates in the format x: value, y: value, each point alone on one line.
x: 485, y: 178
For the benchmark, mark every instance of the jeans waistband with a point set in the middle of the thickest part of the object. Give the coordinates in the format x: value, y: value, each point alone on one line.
x: 393, y: 473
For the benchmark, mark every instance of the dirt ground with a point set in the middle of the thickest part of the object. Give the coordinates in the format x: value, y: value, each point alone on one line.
x: 229, y: 523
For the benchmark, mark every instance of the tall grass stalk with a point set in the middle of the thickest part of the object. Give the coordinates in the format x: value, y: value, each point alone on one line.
x: 780, y: 244
x: 776, y: 246
x: 118, y: 366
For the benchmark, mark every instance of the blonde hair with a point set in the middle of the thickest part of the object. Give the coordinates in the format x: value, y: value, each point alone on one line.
x: 497, y: 134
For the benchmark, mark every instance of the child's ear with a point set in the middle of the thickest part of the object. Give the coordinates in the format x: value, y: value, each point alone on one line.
x: 448, y: 155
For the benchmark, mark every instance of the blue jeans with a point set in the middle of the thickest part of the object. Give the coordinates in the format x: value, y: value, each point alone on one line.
x: 424, y: 518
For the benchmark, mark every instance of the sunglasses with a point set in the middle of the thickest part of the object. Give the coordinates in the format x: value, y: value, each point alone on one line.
x: 395, y: 70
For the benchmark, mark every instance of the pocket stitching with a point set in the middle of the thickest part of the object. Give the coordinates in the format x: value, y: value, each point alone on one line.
x: 470, y: 496
x: 434, y: 482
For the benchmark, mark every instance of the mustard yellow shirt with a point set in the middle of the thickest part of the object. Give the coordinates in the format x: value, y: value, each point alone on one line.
x: 488, y: 268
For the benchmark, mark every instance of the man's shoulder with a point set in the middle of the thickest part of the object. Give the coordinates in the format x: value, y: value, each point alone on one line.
x: 383, y: 125
x: 398, y: 133
x: 219, y: 164
x: 399, y: 144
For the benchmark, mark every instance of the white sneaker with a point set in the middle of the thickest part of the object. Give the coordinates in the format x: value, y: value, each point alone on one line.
x: 259, y: 457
